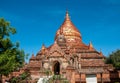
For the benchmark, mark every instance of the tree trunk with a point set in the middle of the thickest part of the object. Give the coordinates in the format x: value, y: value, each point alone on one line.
x: 0, y: 78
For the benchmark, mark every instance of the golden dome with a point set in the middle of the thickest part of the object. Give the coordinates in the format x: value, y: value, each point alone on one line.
x: 70, y: 32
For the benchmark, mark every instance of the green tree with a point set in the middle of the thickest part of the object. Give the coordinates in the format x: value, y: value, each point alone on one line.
x: 11, y: 57
x: 114, y: 58
x: 23, y: 78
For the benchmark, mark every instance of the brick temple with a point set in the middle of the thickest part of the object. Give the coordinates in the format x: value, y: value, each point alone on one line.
x: 71, y: 57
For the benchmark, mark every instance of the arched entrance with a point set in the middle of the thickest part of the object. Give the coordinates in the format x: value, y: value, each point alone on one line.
x: 56, y: 68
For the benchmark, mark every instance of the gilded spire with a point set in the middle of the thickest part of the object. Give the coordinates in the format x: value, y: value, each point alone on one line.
x: 66, y: 19
x: 70, y: 32
x: 67, y: 16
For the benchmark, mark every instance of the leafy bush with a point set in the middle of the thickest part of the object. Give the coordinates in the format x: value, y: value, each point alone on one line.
x: 114, y: 58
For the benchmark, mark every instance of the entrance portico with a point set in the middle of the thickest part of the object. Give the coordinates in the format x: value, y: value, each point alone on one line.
x: 56, y: 68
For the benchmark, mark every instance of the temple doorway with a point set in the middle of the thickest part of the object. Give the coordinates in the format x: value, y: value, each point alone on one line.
x: 56, y: 68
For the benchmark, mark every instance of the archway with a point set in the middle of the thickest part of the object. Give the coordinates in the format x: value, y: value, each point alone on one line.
x: 57, y: 68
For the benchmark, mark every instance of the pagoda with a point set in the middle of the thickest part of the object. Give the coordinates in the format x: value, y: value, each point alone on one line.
x: 70, y: 57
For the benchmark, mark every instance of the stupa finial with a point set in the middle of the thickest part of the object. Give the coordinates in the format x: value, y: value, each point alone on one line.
x: 67, y: 15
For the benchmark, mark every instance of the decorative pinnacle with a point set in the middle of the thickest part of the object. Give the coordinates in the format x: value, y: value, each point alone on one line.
x: 90, y: 45
x: 43, y: 47
x: 101, y: 53
x: 67, y: 15
x: 32, y: 54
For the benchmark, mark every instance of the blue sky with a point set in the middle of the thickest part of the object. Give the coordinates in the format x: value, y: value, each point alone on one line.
x: 37, y: 21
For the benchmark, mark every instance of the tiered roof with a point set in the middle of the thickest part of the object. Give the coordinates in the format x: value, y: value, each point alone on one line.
x: 68, y: 41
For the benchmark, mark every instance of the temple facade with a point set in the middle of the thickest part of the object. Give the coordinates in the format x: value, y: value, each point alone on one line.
x: 70, y: 57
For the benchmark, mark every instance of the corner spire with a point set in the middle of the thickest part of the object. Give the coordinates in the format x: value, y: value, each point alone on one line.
x: 32, y: 57
x: 101, y: 52
x: 43, y: 47
x: 91, y: 46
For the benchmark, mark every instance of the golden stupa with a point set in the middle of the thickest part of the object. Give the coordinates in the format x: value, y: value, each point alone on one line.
x: 70, y: 32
